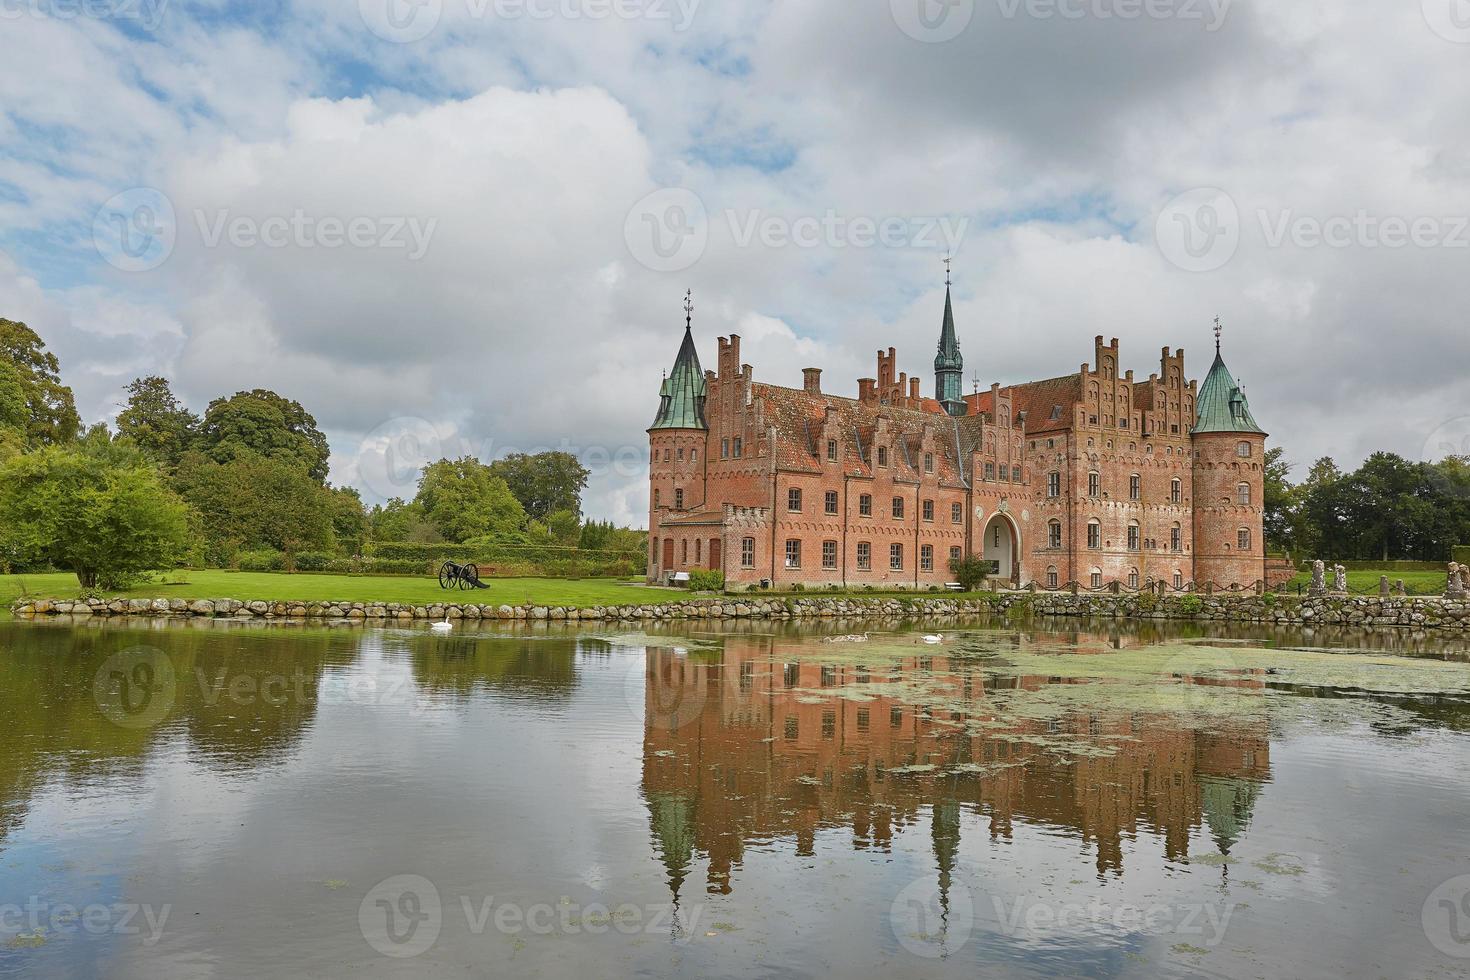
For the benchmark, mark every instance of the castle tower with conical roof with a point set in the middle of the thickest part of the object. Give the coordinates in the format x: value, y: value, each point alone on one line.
x: 1229, y: 481
x: 949, y: 366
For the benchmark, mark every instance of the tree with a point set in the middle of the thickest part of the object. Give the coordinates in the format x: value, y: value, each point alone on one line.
x: 97, y: 508
x: 398, y: 521
x: 265, y: 424
x: 464, y: 499
x: 14, y: 412
x: 544, y: 483
x: 51, y: 411
x: 253, y: 501
x: 1280, y: 500
x: 349, y: 520
x: 156, y: 421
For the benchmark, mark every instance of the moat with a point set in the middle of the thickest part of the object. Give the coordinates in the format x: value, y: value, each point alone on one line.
x: 732, y: 799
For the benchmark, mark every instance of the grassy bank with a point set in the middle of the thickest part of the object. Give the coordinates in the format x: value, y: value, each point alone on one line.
x: 1366, y: 580
x: 418, y: 590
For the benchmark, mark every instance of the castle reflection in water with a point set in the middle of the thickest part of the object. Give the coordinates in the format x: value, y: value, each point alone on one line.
x: 764, y: 742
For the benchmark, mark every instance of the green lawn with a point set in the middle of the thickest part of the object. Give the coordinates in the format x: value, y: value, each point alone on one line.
x: 1418, y: 583
x: 419, y: 590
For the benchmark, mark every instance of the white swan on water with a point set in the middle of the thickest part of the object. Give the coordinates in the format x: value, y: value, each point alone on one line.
x: 933, y: 638
x: 443, y: 627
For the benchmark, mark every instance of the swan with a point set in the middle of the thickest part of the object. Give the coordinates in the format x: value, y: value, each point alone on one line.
x: 933, y: 638
x: 443, y: 627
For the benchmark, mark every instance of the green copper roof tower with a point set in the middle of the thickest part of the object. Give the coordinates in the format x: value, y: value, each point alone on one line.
x: 1221, y: 404
x: 681, y: 399
x: 949, y: 366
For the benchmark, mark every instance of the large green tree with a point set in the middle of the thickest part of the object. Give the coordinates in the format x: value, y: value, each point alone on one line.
x: 464, y: 499
x: 156, y: 421
x: 397, y: 521
x: 99, y: 509
x: 544, y: 483
x: 264, y: 423
x: 51, y: 411
x: 251, y: 501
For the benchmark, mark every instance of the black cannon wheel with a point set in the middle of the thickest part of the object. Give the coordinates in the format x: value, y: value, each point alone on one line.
x: 448, y: 573
x: 469, y: 576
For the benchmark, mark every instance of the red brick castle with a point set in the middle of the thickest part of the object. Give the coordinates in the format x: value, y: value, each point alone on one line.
x: 1093, y: 478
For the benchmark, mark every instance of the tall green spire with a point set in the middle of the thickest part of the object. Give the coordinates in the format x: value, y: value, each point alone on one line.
x: 1221, y: 404
x: 949, y: 366
x: 681, y: 399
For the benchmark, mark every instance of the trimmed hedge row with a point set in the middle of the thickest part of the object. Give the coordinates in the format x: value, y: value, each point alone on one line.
x: 1461, y: 553
x: 1387, y: 566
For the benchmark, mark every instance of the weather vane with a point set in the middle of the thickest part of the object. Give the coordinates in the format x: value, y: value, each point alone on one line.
x: 1219, y: 329
x: 689, y: 308
x: 947, y: 260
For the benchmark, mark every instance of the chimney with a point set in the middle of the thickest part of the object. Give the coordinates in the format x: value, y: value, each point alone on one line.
x: 914, y: 388
x: 812, y: 380
x: 867, y: 390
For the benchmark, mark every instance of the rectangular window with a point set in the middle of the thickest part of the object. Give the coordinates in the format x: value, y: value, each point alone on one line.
x: 832, y: 450
x: 681, y: 454
x: 863, y: 719
x: 926, y: 558
x: 990, y: 471
x: 829, y: 500
x: 929, y: 510
x: 928, y: 462
x: 1133, y: 539
x: 829, y: 554
x: 1243, y: 495
x: 895, y: 717
x: 895, y: 557
x: 698, y: 550
x: 898, y: 508
x: 1051, y: 578
x: 865, y: 506
x: 1176, y: 492
x: 747, y: 552
x: 737, y: 447
x: 678, y: 499
x: 1054, y: 534
x: 956, y: 513
x: 1054, y: 484
x: 793, y: 553
x: 1097, y: 580
x: 1015, y: 474
x: 1243, y: 539
x: 655, y: 500
x: 790, y: 729
x: 829, y: 724
x: 724, y: 448
x: 791, y: 674
x: 1176, y: 539
x: 684, y: 553
x: 864, y: 556
x: 1094, y: 535
x: 955, y: 553
x: 1135, y: 487
x: 1243, y: 450
x: 882, y: 455
x: 793, y: 500
x: 1094, y: 485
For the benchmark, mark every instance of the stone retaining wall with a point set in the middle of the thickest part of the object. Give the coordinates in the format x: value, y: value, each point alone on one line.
x: 1415, y: 612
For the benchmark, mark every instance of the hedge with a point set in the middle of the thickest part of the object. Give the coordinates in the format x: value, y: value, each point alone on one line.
x: 1461, y: 554
x: 1386, y: 566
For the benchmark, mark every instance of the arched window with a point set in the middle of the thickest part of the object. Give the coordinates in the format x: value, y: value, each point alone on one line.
x: 1176, y: 491
x: 1243, y: 539
x: 1134, y: 537
x: 1178, y: 579
x: 1135, y: 487
x: 1176, y: 538
x: 1132, y: 578
x: 1243, y: 494
x: 1094, y: 484
x: 1051, y: 578
x: 1097, y: 578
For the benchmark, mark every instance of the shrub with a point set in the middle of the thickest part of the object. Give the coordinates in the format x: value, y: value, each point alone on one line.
x: 706, y: 580
x: 262, y: 561
x: 1461, y: 554
x: 315, y: 561
x: 970, y: 572
x: 1191, y: 605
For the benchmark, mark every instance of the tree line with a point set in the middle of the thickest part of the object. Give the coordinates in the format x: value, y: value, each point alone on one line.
x: 249, y: 476
x: 1389, y: 508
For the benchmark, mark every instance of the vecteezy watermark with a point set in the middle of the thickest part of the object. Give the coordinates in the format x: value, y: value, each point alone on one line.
x: 148, y: 13
x: 1199, y: 230
x: 303, y: 230
x: 932, y: 922
x: 1450, y: 19
x: 932, y: 21
x: 1202, y: 679
x: 1363, y: 229
x: 669, y: 230
x: 39, y: 919
x: 134, y: 231
x: 1446, y: 918
x: 1451, y: 438
x: 136, y: 687
x: 406, y: 21
x: 404, y: 916
x: 1211, y: 13
x: 664, y: 689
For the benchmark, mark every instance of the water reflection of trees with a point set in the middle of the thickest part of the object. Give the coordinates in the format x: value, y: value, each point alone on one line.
x: 56, y: 731
x: 739, y: 750
x: 538, y: 667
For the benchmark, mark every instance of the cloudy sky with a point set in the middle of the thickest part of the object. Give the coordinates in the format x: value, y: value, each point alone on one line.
x: 452, y: 226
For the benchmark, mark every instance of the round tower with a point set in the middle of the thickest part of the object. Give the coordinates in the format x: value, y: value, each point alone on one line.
x: 1229, y: 483
x: 677, y: 442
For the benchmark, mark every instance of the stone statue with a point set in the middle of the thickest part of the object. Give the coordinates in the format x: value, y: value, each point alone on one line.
x: 1319, y: 577
x: 1400, y: 588
x: 1455, y: 586
x: 1339, y: 578
x: 1383, y: 587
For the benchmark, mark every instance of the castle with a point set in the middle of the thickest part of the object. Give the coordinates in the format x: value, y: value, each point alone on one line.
x: 1093, y: 478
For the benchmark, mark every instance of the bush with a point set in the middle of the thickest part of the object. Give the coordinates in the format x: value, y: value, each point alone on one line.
x: 315, y: 561
x: 262, y: 561
x: 1461, y: 554
x: 970, y: 572
x: 1191, y: 605
x: 706, y: 580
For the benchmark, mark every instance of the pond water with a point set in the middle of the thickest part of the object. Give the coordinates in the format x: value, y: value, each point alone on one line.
x: 220, y: 799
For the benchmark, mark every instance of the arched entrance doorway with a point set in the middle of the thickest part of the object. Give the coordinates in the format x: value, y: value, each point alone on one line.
x: 1002, y: 545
